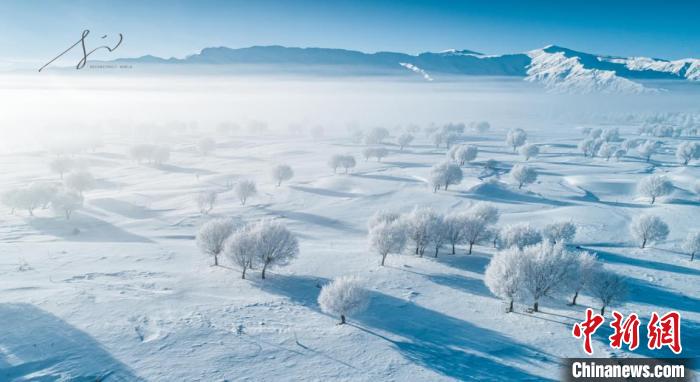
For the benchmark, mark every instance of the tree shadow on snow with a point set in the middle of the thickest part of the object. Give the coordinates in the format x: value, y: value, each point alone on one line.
x: 326, y: 222
x: 325, y: 192
x: 645, y: 292
x: 37, y: 345
x: 444, y: 344
x: 125, y: 209
x: 85, y: 228
x: 610, y: 257
x: 491, y: 192
x: 184, y: 170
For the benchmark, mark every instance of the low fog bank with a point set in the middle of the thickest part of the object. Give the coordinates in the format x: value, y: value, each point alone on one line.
x: 43, y: 109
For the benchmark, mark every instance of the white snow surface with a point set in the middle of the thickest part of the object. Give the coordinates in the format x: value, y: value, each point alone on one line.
x: 121, y: 292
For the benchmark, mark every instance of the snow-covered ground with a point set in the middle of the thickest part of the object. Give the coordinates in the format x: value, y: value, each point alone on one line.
x: 121, y: 292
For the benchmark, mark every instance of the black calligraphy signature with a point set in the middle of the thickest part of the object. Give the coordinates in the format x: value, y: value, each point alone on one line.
x: 86, y: 53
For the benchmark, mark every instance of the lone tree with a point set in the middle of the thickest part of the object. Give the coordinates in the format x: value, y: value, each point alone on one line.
x: 529, y: 151
x: 646, y: 150
x: 347, y: 162
x: 444, y: 174
x: 654, y: 186
x: 608, y: 287
x: 583, y: 267
x: 387, y: 237
x: 240, y: 248
x: 691, y: 245
x: 463, y: 153
x: 561, y: 232
x: 687, y: 151
x: 404, y: 140
x: 79, y: 181
x: 523, y: 175
x: 212, y: 235
x: 343, y: 296
x: 419, y: 225
x: 282, y: 173
x: 244, y: 190
x: 519, y: 235
x: 545, y: 269
x: 335, y: 161
x: 516, y: 138
x: 61, y: 165
x: 503, y: 275
x: 66, y: 202
x: 648, y: 228
x: 206, y: 201
x: 275, y: 244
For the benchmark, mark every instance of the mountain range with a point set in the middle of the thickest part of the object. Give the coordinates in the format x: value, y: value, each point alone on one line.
x: 557, y: 68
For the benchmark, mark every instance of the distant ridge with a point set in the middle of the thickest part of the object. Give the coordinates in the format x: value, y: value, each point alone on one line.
x: 558, y: 68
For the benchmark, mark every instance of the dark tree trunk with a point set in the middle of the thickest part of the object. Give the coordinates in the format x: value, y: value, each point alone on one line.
x: 536, y: 306
x: 216, y: 259
x: 342, y: 319
x: 692, y: 256
x: 453, y: 249
x: 436, y: 250
x: 644, y: 242
x: 263, y: 270
x: 383, y: 258
x: 470, y: 247
x: 573, y: 301
x: 510, y: 306
x: 602, y: 310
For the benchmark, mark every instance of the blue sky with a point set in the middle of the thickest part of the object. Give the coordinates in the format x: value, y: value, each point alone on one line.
x: 38, y: 30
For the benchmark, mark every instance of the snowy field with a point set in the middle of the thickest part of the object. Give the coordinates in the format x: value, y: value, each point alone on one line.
x: 121, y: 292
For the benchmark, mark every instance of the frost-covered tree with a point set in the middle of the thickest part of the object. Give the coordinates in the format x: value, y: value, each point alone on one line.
x: 381, y: 216
x: 590, y: 146
x: 375, y: 152
x: 347, y: 162
x: 22, y: 199
x: 611, y: 134
x: 687, y: 151
x: 481, y: 127
x: 519, y: 235
x: 343, y: 296
x: 161, y: 154
x: 376, y: 135
x: 607, y: 287
x: 454, y: 229
x: 607, y: 150
x: 206, y: 146
x: 206, y: 201
x: 419, y: 225
x: 523, y: 174
x: 387, y: 237
x: 619, y: 153
x: 335, y: 161
x: 42, y: 193
x: 282, y: 173
x: 212, y: 235
x: 61, y: 165
x: 545, y: 268
x: 244, y: 190
x: 630, y: 144
x: 142, y: 152
x: 438, y: 234
x: 646, y: 150
x: 240, y: 249
x: 529, y: 151
x: 66, y: 202
x: 691, y: 245
x: 516, y: 138
x: 444, y: 174
x: 79, y: 181
x: 561, y: 232
x: 648, y: 228
x: 275, y: 245
x: 503, y: 275
x: 449, y: 138
x: 486, y: 212
x: 404, y: 140
x: 475, y: 230
x: 654, y: 186
x: 583, y: 267
x: 595, y: 133
x: 463, y: 153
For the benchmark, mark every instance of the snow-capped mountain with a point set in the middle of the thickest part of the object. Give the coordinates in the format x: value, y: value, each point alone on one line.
x: 557, y: 68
